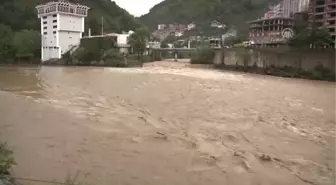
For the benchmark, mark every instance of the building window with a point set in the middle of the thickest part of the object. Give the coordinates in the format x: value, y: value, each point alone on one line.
x: 44, y: 17
x: 45, y: 27
x: 54, y: 32
x: 45, y: 22
x: 55, y: 26
x: 54, y: 21
x: 55, y: 15
x: 45, y: 33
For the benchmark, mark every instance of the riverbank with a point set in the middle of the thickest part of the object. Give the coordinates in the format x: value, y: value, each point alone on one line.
x: 319, y: 73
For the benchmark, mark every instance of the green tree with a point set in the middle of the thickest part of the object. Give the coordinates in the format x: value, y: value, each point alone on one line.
x: 138, y: 41
x: 6, y: 159
x: 321, y: 38
x: 6, y: 36
x: 27, y: 44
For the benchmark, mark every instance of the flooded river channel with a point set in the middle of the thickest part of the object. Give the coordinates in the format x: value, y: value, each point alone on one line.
x: 167, y: 124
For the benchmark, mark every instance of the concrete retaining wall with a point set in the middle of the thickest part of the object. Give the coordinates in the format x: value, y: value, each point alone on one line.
x: 306, y: 59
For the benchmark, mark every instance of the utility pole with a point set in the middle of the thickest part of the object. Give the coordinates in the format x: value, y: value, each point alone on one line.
x: 102, y: 28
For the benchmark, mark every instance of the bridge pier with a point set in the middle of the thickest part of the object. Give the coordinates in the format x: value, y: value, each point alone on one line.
x: 172, y: 53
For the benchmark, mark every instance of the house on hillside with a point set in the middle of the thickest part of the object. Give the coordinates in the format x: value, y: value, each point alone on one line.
x: 216, y: 24
x: 161, y: 26
x: 178, y: 33
x: 191, y: 26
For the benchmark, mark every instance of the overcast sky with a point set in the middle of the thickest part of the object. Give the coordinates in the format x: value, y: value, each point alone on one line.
x: 137, y: 7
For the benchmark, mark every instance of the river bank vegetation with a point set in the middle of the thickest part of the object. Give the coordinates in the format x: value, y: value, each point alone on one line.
x: 6, y: 163
x: 103, y: 51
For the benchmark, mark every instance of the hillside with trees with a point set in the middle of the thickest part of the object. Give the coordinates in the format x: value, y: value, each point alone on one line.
x: 233, y: 13
x: 20, y: 27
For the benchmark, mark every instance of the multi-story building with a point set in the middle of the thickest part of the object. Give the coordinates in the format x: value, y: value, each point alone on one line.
x: 303, y: 5
x: 274, y: 11
x: 322, y: 14
x: 290, y: 7
x: 285, y: 8
x: 272, y: 31
x: 62, y: 25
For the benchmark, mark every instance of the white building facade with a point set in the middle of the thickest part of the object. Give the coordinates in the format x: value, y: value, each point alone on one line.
x: 303, y: 5
x: 287, y: 8
x: 62, y: 26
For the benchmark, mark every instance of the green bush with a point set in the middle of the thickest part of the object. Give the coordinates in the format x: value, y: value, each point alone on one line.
x: 155, y: 56
x: 114, y: 58
x: 94, y: 48
x: 203, y: 56
x: 6, y: 159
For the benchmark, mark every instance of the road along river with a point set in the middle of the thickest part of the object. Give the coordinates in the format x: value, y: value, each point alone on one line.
x: 167, y: 124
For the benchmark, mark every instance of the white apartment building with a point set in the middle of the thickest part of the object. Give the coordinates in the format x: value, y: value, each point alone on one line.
x: 62, y: 25
x: 287, y: 8
x: 303, y: 5
x: 122, y: 40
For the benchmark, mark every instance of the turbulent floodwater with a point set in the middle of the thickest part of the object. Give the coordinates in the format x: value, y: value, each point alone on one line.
x: 167, y: 124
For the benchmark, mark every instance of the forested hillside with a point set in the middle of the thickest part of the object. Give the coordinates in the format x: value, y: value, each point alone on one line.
x: 19, y: 25
x: 234, y: 13
x: 21, y: 14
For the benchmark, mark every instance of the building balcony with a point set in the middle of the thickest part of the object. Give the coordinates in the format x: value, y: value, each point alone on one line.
x: 319, y: 13
x: 329, y: 9
x: 330, y: 2
x: 329, y: 17
x: 61, y: 7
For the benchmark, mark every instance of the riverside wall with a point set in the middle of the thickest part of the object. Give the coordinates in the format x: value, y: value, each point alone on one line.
x: 305, y: 59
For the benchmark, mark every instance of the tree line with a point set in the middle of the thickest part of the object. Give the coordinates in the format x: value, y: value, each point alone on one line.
x: 19, y: 45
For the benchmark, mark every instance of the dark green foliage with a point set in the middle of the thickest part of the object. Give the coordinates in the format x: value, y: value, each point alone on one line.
x: 114, y: 58
x: 92, y: 50
x: 27, y: 44
x: 317, y: 38
x: 234, y: 13
x: 6, y: 159
x: 306, y: 37
x: 203, y: 55
x: 100, y: 51
x: 6, y: 36
x: 138, y: 41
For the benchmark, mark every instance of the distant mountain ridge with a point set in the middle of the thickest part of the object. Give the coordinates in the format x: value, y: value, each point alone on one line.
x: 233, y: 13
x: 22, y: 15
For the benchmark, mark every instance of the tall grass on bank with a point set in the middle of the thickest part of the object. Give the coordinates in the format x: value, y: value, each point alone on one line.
x: 6, y: 159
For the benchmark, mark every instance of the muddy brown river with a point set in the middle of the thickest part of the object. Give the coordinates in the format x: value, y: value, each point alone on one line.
x: 167, y: 124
